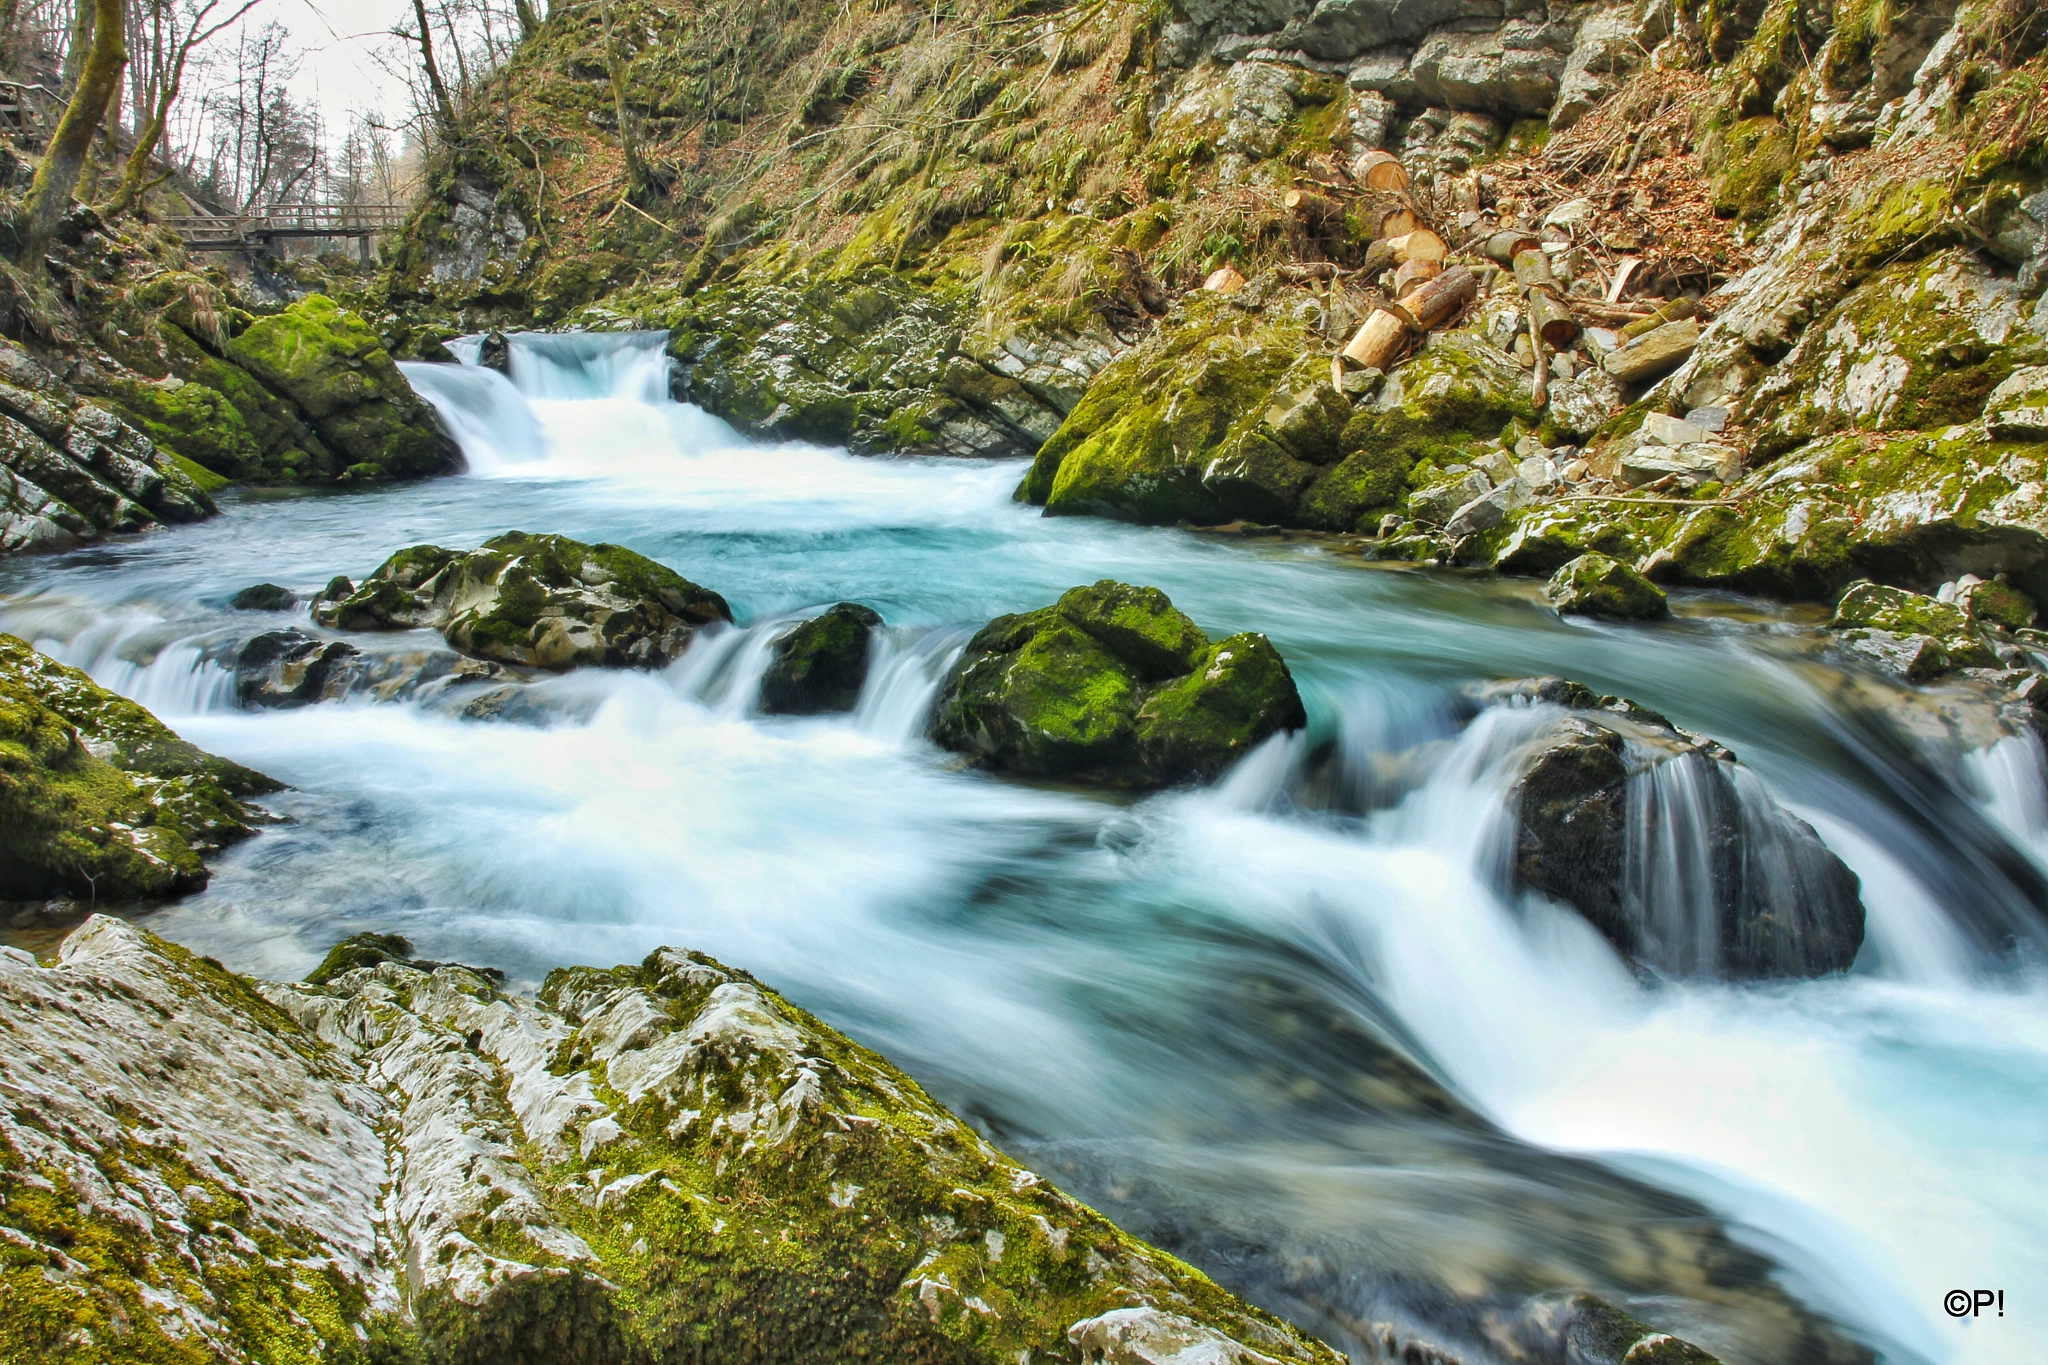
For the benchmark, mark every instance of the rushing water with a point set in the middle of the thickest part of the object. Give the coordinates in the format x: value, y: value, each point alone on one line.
x: 1292, y: 1025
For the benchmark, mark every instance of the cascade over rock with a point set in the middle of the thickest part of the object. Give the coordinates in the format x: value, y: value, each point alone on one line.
x: 1595, y: 829
x: 1113, y: 686
x: 633, y: 1165
x: 537, y: 601
x: 97, y: 797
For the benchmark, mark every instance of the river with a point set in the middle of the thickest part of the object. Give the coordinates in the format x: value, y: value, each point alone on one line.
x: 1293, y: 1026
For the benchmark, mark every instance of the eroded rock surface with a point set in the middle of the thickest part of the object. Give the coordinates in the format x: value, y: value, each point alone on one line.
x: 635, y: 1165
x: 1112, y: 685
x: 536, y: 601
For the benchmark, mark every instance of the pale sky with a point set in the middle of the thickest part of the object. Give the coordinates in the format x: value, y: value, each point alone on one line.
x: 339, y: 39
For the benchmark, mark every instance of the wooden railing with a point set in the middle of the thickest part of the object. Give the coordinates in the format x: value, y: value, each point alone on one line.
x: 259, y: 227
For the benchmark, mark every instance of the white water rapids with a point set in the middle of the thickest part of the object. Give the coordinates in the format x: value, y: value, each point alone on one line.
x: 1291, y: 1025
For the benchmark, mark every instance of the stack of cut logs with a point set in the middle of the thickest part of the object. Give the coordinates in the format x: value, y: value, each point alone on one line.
x: 1551, y: 324
x: 1428, y: 296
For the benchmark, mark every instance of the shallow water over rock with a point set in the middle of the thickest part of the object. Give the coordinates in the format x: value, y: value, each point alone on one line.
x: 1294, y: 1025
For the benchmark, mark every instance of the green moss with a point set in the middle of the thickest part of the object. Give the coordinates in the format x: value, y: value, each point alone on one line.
x: 359, y: 950
x: 1897, y: 220
x: 208, y: 481
x: 1756, y: 156
x: 1595, y: 585
x: 196, y: 424
x: 98, y: 798
x: 329, y: 363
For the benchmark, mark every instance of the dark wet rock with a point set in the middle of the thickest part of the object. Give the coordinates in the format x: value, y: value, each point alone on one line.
x: 1776, y: 903
x: 98, y: 799
x: 1112, y: 686
x: 1595, y: 585
x: 821, y: 665
x: 284, y: 669
x: 495, y: 353
x: 534, y: 601
x: 264, y: 597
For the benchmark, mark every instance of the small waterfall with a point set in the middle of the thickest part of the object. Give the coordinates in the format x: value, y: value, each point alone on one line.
x: 721, y: 670
x: 482, y: 411
x: 904, y: 676
x: 582, y: 365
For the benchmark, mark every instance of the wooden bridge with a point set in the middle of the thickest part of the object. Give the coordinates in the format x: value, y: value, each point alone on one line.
x: 258, y: 228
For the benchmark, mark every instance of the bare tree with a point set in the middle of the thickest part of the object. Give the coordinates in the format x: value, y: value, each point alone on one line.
x: 175, y: 30
x: 99, y: 77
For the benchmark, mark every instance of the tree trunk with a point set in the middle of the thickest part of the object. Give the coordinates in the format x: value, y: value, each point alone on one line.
x: 57, y: 174
x: 529, y: 18
x: 635, y: 175
x: 443, y: 106
x: 82, y: 14
x: 1505, y: 246
x: 1553, y: 320
x: 1532, y: 271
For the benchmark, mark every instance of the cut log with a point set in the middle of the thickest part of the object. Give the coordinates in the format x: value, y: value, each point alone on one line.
x: 1312, y: 208
x: 1379, y: 257
x: 1505, y: 246
x: 1654, y: 354
x: 1224, y: 281
x: 1413, y: 273
x: 1302, y: 272
x: 1532, y: 271
x: 1380, y: 171
x: 1441, y: 300
x: 1553, y: 321
x: 1383, y: 337
x: 1395, y: 222
x: 1675, y: 311
x: 1419, y: 245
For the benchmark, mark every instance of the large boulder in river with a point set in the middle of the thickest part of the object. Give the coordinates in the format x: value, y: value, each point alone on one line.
x: 98, y: 798
x: 536, y: 601
x: 328, y: 363
x: 657, y: 1162
x: 1670, y: 848
x: 1113, y: 686
x: 821, y: 665
x: 1595, y: 585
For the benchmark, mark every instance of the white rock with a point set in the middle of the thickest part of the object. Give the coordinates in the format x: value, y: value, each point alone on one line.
x: 1666, y: 430
x: 1488, y: 510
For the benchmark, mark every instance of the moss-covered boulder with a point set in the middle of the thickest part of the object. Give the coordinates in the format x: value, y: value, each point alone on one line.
x: 537, y: 601
x: 329, y: 363
x: 821, y: 665
x: 1595, y: 585
x: 97, y: 797
x: 405, y: 1162
x: 1114, y: 687
x: 1228, y: 413
x: 1908, y: 633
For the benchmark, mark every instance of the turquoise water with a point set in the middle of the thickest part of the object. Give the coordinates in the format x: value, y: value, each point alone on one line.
x: 1292, y: 1025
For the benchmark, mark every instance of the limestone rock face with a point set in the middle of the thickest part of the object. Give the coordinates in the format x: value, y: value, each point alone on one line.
x: 97, y: 797
x: 328, y: 362
x: 635, y: 1165
x: 535, y: 601
x: 1778, y: 903
x: 1916, y: 636
x: 71, y: 471
x: 822, y: 664
x: 1594, y: 585
x: 1112, y: 686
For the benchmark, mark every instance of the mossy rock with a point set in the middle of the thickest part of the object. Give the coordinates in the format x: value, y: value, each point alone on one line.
x: 1595, y: 585
x: 822, y: 665
x: 1868, y: 607
x: 100, y: 799
x: 1112, y: 686
x: 535, y: 601
x: 329, y: 363
x: 195, y: 422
